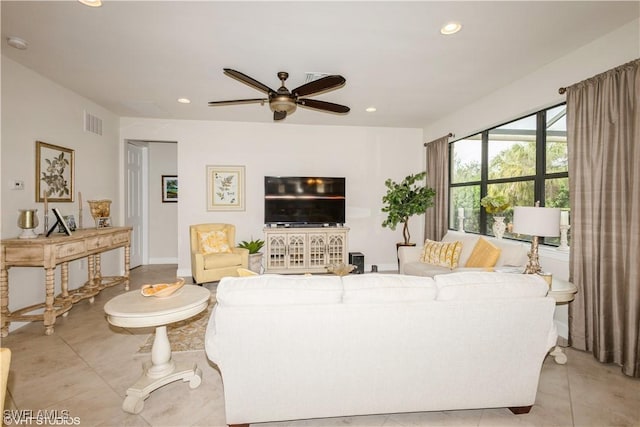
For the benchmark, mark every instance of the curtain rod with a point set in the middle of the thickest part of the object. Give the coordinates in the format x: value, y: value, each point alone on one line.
x: 449, y: 135
x: 562, y: 90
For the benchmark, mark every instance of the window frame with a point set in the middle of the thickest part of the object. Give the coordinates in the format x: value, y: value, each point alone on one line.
x: 539, y: 178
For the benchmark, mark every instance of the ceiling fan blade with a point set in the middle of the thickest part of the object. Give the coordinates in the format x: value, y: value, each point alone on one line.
x: 238, y: 101
x: 248, y: 80
x: 279, y: 115
x: 323, y: 106
x: 324, y: 84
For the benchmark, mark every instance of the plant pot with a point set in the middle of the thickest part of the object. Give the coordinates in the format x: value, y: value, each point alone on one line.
x: 255, y: 262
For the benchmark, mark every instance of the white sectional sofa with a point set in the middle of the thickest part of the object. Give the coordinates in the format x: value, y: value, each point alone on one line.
x: 300, y: 347
x: 513, y: 254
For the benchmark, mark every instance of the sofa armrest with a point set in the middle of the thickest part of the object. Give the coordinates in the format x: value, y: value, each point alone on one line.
x: 408, y: 254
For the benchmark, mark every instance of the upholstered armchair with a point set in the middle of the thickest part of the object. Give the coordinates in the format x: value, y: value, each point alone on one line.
x: 213, y: 252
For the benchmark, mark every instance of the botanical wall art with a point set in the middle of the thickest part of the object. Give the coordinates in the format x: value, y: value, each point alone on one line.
x: 54, y: 173
x: 169, y: 188
x: 225, y: 188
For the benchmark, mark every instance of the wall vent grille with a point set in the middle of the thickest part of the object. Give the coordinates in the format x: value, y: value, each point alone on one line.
x: 92, y: 123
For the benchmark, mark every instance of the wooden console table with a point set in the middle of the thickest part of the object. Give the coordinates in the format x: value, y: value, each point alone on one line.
x: 49, y: 252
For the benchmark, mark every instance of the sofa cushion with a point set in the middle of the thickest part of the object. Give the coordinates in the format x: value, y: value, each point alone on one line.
x: 442, y: 254
x: 217, y: 260
x: 213, y: 242
x: 485, y: 254
x: 274, y: 289
x: 387, y: 288
x: 480, y: 285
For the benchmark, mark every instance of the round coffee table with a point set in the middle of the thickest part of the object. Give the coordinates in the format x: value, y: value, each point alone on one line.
x: 132, y: 310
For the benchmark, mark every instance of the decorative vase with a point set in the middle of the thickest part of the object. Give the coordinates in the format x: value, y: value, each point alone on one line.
x: 499, y: 226
x: 99, y: 208
x: 255, y: 262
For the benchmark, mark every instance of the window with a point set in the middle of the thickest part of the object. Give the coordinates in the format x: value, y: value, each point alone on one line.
x: 524, y: 161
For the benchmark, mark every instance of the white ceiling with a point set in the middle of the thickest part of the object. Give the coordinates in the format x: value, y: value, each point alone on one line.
x: 137, y: 58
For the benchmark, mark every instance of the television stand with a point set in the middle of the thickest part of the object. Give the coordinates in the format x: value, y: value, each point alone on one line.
x: 297, y: 250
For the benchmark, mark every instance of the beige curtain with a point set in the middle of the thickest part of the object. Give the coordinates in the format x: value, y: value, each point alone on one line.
x: 436, y: 221
x: 603, y: 129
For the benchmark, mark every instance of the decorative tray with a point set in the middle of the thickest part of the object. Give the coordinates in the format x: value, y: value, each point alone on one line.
x: 162, y: 290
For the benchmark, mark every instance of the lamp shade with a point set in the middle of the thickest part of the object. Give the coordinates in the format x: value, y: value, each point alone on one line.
x: 535, y: 221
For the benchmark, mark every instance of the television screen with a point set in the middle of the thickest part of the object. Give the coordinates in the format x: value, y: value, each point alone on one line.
x: 300, y: 201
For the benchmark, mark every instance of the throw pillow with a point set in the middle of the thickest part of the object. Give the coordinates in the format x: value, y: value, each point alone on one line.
x: 443, y: 254
x: 213, y: 242
x: 485, y: 254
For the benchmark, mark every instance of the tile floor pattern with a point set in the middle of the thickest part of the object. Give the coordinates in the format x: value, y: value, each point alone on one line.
x: 86, y: 366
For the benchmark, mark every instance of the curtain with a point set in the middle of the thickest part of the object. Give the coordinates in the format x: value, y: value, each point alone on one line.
x: 436, y: 221
x: 603, y: 131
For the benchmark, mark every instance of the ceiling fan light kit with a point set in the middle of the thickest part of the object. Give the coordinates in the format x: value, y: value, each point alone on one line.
x: 284, y: 102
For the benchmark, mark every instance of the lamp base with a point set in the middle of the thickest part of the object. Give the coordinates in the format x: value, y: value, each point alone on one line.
x: 28, y: 233
x: 533, y: 266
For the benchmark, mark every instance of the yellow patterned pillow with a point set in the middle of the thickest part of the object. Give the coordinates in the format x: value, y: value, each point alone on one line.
x: 443, y: 254
x: 484, y: 254
x: 213, y: 242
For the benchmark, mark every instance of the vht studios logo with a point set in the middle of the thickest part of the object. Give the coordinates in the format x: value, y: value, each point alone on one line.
x: 42, y: 417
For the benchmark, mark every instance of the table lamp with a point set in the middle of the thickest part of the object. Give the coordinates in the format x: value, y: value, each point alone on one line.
x: 536, y: 222
x: 28, y: 221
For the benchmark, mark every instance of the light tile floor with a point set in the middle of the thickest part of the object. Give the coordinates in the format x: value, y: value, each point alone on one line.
x: 86, y: 366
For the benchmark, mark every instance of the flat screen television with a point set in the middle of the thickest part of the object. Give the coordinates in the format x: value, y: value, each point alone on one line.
x: 299, y: 201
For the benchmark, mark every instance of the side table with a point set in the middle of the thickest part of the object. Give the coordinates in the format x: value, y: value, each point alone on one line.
x: 132, y: 310
x: 563, y: 292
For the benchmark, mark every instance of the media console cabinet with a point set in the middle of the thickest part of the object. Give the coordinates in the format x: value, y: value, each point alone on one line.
x: 292, y: 250
x: 48, y: 253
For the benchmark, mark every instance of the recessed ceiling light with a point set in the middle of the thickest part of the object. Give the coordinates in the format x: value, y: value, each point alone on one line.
x: 184, y: 100
x: 17, y: 42
x: 450, y: 28
x: 91, y: 3
x: 371, y: 109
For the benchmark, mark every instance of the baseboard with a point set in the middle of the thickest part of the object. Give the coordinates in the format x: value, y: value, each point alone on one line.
x: 184, y: 272
x: 163, y: 260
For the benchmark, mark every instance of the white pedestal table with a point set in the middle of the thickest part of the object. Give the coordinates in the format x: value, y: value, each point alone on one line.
x: 563, y: 292
x: 132, y: 310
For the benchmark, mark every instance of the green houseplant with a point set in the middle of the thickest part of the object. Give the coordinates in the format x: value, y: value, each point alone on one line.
x: 495, y: 205
x: 405, y: 199
x: 255, y: 256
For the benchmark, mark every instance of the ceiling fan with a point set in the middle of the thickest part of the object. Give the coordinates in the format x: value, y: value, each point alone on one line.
x: 282, y: 102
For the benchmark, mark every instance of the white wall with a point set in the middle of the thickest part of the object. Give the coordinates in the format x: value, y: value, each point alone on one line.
x: 163, y: 217
x: 36, y: 109
x: 365, y: 156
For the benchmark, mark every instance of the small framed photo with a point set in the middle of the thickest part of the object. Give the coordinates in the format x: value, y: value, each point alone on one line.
x: 70, y: 221
x: 103, y: 222
x: 60, y: 223
x: 169, y: 188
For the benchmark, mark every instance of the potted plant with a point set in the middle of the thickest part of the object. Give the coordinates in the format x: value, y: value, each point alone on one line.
x: 405, y: 199
x: 255, y: 256
x: 496, y: 206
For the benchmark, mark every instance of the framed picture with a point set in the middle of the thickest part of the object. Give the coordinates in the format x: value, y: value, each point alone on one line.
x: 54, y: 173
x: 60, y: 222
x: 103, y: 222
x: 169, y: 188
x: 225, y: 188
x: 71, y: 223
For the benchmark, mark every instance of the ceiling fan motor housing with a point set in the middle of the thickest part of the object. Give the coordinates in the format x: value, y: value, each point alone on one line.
x: 282, y: 103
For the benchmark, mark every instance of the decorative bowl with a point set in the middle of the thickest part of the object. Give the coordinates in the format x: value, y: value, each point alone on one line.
x: 340, y: 269
x: 161, y: 290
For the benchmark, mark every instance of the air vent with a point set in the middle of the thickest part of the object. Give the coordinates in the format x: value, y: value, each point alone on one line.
x: 312, y: 76
x: 92, y: 123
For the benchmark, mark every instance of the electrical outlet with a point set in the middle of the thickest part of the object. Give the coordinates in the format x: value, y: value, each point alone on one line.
x: 17, y: 185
